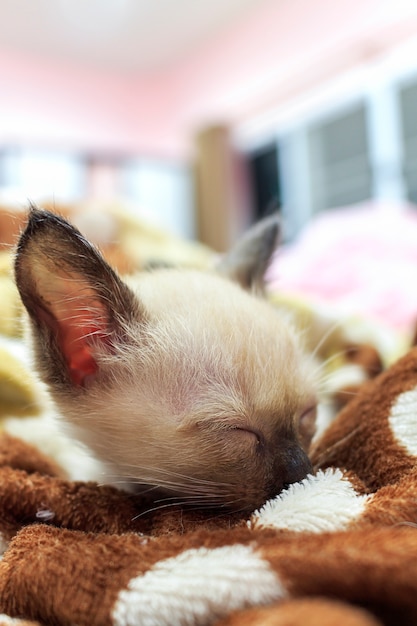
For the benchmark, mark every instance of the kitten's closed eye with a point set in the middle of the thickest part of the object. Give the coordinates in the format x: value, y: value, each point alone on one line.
x: 307, y: 425
x: 251, y: 436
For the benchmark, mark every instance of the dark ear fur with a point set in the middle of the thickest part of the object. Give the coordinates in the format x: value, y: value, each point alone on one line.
x: 75, y: 300
x: 248, y: 260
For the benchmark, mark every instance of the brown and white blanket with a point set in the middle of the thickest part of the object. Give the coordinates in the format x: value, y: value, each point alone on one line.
x: 339, y: 548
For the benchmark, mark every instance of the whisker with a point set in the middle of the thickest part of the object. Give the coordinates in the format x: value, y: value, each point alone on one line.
x: 326, y: 336
x: 330, y: 359
x: 191, y: 498
x: 180, y: 502
x: 216, y: 492
x: 192, y: 479
x: 336, y: 445
x: 347, y: 393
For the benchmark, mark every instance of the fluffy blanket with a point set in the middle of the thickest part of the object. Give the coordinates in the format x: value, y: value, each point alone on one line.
x: 339, y: 548
x: 359, y: 260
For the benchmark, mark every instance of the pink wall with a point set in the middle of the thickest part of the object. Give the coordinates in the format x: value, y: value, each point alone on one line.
x: 282, y: 49
x: 270, y: 55
x: 57, y: 105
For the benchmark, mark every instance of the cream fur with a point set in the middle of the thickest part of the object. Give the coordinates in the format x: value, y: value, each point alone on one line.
x: 181, y: 395
x: 181, y: 381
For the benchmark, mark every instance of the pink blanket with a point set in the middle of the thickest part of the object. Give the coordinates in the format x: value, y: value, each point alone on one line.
x: 361, y: 260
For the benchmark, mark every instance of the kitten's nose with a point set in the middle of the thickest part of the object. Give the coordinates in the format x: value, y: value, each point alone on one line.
x: 296, y: 465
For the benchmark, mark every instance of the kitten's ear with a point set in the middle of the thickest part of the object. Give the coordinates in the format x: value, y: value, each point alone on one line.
x: 248, y: 260
x: 76, y: 302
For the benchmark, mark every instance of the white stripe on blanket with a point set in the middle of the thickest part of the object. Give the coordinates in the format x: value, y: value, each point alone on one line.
x: 325, y: 502
x: 198, y: 587
x: 403, y: 420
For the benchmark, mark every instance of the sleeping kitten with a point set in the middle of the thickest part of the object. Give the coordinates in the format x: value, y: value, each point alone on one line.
x: 181, y: 381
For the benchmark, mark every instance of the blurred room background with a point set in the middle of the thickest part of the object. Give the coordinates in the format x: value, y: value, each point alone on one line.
x: 200, y: 117
x: 165, y: 128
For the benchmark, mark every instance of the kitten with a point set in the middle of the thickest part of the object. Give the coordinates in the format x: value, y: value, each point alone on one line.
x: 182, y: 381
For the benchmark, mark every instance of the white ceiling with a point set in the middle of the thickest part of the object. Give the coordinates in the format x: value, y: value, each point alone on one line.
x: 122, y: 35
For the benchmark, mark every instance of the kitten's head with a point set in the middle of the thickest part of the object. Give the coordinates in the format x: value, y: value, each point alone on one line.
x: 182, y: 380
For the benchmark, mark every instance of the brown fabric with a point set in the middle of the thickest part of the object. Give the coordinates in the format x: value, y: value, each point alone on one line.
x: 19, y: 455
x: 369, y: 360
x: 5, y: 621
x: 304, y: 612
x: 360, y: 439
x: 79, y: 553
x: 367, y: 356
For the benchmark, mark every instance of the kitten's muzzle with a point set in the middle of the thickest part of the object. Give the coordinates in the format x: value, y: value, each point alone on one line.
x: 291, y: 466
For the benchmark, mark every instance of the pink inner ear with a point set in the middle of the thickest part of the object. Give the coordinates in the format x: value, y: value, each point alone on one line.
x: 77, y: 350
x: 74, y: 346
x: 75, y: 315
x: 81, y: 363
x: 80, y: 321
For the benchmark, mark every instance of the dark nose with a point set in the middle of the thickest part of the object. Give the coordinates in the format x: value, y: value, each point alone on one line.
x: 291, y: 464
x: 296, y: 465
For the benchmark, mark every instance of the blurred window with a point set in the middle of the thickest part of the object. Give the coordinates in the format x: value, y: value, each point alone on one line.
x: 162, y: 192
x: 41, y: 175
x: 339, y: 160
x: 408, y: 106
x: 265, y: 180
